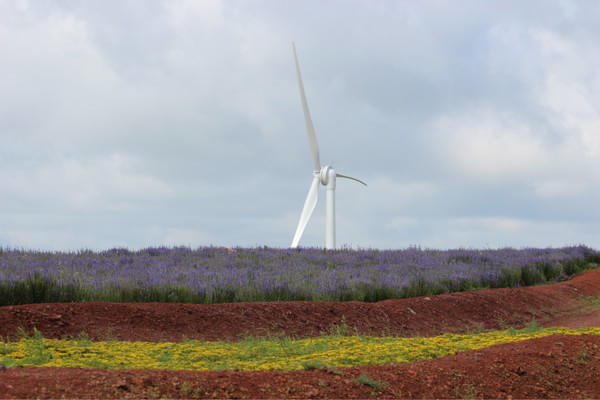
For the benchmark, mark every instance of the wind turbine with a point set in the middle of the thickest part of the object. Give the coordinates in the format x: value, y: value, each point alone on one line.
x: 324, y: 175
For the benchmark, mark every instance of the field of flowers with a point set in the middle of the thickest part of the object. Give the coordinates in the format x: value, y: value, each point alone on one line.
x: 216, y: 275
x: 275, y: 353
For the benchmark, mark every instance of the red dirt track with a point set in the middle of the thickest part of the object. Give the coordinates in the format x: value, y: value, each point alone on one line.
x: 550, y: 367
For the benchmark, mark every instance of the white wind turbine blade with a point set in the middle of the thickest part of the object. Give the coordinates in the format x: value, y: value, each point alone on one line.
x: 309, y: 206
x: 310, y: 129
x: 349, y: 177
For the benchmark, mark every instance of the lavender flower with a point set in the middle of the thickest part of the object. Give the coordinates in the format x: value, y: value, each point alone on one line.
x: 214, y: 274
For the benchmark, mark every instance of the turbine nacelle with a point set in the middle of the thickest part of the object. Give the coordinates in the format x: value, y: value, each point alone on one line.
x: 324, y: 175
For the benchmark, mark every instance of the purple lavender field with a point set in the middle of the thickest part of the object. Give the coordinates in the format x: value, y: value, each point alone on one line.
x: 215, y: 274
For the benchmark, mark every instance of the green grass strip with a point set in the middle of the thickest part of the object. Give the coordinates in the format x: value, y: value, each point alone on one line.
x: 274, y: 353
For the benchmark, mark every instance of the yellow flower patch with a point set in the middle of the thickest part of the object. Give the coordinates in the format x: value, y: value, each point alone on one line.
x: 257, y: 354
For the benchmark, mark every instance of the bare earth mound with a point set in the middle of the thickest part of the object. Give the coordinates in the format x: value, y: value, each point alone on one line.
x: 551, y: 367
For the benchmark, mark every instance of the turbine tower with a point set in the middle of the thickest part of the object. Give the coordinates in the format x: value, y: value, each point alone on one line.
x: 324, y: 175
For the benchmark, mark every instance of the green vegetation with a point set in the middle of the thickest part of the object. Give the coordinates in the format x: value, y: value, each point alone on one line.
x: 370, y: 382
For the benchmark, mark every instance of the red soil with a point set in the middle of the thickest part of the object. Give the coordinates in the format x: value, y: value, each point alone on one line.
x: 551, y: 367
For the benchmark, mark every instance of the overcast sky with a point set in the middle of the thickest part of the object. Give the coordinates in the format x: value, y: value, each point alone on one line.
x: 146, y: 123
